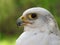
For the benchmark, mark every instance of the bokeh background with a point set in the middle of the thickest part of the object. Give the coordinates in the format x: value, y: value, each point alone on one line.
x: 11, y: 10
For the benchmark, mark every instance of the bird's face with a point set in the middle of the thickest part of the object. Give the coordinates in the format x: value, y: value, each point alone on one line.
x: 38, y: 18
x: 30, y: 19
x: 33, y: 17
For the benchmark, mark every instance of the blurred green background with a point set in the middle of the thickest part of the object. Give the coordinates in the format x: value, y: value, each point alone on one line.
x: 11, y: 10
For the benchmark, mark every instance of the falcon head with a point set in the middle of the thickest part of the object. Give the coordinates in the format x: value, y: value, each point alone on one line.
x: 39, y: 18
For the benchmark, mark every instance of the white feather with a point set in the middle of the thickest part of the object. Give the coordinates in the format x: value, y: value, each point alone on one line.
x: 44, y: 30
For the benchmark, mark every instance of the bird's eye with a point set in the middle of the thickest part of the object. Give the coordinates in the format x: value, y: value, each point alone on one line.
x: 32, y: 16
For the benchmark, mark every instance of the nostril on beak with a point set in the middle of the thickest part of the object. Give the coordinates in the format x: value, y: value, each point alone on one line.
x: 19, y: 22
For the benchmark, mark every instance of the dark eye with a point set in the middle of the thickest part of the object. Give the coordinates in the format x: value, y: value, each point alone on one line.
x: 32, y: 16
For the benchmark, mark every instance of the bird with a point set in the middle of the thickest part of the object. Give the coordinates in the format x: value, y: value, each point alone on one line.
x: 40, y: 27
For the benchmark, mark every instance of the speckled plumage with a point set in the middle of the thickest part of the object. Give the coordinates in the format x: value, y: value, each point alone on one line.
x: 43, y: 30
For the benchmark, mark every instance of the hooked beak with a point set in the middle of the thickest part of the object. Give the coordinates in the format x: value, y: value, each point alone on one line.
x: 22, y: 21
x: 19, y: 22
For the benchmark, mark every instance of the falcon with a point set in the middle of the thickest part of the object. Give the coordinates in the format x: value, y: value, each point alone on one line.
x: 40, y: 28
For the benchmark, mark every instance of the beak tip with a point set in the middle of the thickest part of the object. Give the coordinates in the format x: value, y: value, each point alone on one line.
x: 19, y: 22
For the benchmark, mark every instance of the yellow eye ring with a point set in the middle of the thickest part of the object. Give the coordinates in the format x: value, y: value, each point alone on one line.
x: 29, y: 16
x: 32, y: 16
